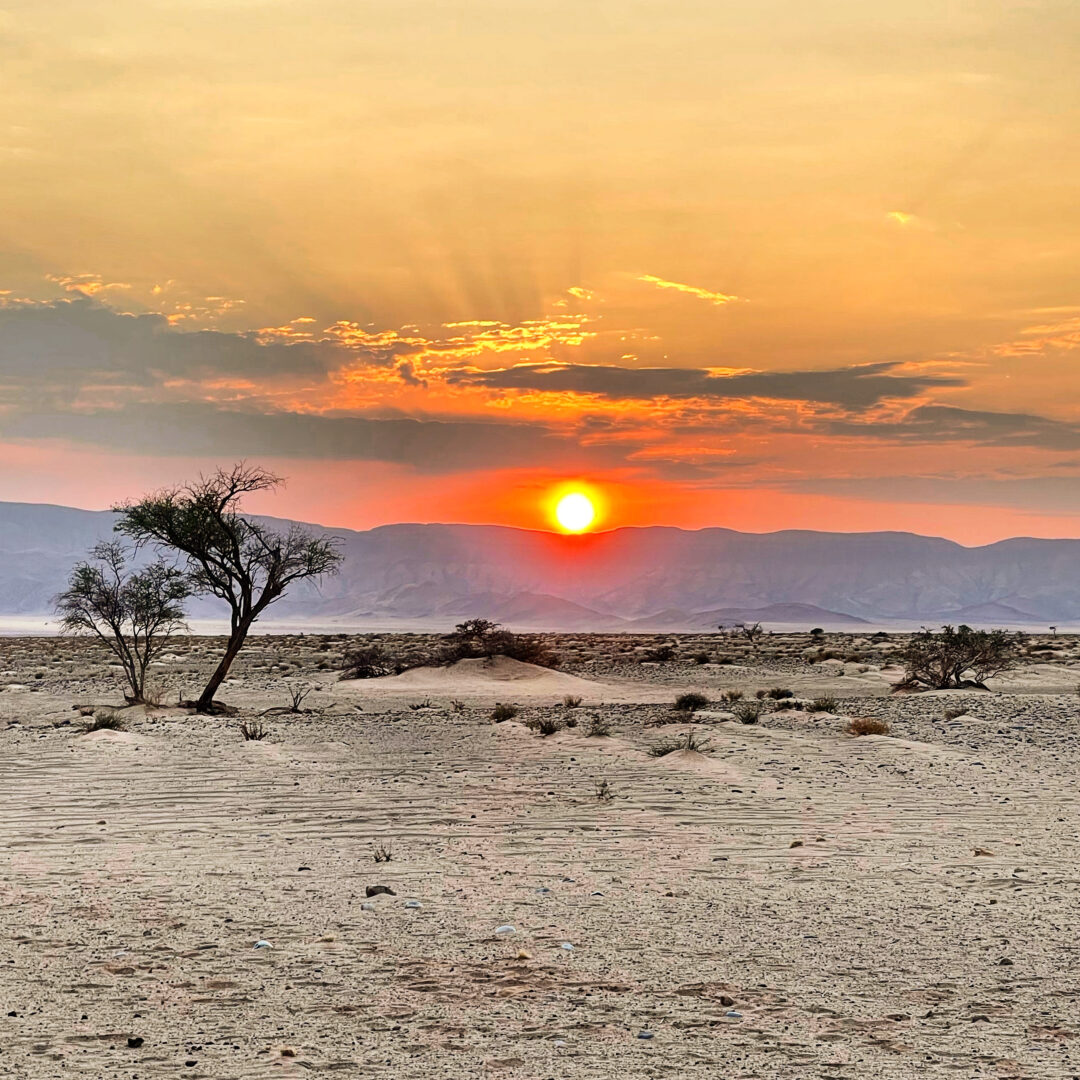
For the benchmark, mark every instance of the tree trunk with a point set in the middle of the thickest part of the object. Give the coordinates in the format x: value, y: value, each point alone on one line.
x: 205, y: 704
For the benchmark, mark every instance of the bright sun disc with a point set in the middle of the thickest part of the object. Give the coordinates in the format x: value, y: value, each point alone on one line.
x: 575, y: 512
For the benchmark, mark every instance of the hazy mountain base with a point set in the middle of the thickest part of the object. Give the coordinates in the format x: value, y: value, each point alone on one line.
x: 792, y: 901
x: 654, y: 578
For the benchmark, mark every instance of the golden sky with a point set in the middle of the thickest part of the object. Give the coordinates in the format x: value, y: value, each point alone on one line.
x: 758, y: 264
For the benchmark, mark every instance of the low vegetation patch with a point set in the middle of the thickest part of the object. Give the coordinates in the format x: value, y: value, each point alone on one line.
x: 253, y: 731
x: 545, y: 725
x: 691, y: 702
x: 105, y: 721
x: 731, y: 696
x: 598, y: 726
x: 957, y: 657
x: 748, y: 712
x: 571, y: 701
x: 867, y: 725
x: 825, y: 703
x: 689, y: 740
x: 503, y: 711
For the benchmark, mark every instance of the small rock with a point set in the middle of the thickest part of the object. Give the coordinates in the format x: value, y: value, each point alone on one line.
x: 134, y: 1042
x: 795, y: 843
x: 1005, y: 962
x: 725, y: 1000
x: 262, y: 943
x: 413, y: 904
x: 644, y: 1034
x: 379, y: 890
x: 505, y: 929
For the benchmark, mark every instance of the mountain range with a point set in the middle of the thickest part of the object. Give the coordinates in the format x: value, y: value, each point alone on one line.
x: 658, y: 578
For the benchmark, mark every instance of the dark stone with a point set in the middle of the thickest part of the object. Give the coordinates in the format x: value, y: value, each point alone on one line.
x: 380, y: 890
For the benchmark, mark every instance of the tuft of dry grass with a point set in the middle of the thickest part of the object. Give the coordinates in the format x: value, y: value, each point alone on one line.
x: 689, y: 740
x: 748, y: 712
x: 382, y: 853
x: 867, y: 725
x: 598, y: 726
x: 690, y: 702
x: 253, y: 731
x: 571, y: 701
x: 105, y: 721
x: 545, y: 725
x: 503, y: 711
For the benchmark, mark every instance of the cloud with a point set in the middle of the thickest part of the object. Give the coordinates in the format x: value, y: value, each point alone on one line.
x: 717, y: 298
x: 852, y: 387
x: 946, y: 423
x: 56, y: 341
x: 199, y: 430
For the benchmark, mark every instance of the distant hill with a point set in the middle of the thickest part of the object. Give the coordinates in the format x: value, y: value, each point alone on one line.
x: 656, y: 578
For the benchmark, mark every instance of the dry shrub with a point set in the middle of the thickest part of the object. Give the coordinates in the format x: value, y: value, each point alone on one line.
x: 691, y: 702
x: 503, y: 711
x: 598, y: 726
x: 690, y: 740
x: 867, y: 725
x: 105, y: 721
x: 253, y: 731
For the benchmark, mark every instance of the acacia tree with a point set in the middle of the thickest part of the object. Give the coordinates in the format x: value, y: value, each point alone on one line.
x: 958, y: 657
x: 235, y: 558
x: 133, y: 612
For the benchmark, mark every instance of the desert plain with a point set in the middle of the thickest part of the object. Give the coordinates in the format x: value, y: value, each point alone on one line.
x: 770, y: 899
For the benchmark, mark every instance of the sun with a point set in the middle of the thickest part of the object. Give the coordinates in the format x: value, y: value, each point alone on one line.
x: 575, y: 512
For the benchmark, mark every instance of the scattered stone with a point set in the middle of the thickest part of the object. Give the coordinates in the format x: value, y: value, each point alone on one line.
x: 379, y: 890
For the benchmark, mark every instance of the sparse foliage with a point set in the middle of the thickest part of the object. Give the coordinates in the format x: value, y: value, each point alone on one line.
x: 545, y: 725
x: 691, y: 702
x: 382, y: 853
x: 825, y: 703
x: 571, y: 701
x: 105, y: 720
x: 731, y: 696
x: 503, y: 711
x: 604, y: 791
x: 134, y: 612
x: 957, y: 657
x: 235, y: 558
x: 477, y: 638
x: 253, y: 731
x: 689, y: 740
x: 867, y: 725
x: 367, y: 662
x: 748, y: 712
x: 298, y: 693
x: 598, y: 726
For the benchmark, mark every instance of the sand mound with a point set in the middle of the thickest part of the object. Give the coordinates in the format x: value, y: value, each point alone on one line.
x: 482, y: 677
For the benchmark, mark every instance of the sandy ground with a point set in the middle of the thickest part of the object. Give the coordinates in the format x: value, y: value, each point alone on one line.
x: 789, y: 901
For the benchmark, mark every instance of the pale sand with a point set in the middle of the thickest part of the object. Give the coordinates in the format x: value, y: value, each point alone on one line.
x: 140, y: 868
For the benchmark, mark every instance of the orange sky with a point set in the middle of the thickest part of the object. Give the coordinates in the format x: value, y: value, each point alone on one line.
x: 761, y: 265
